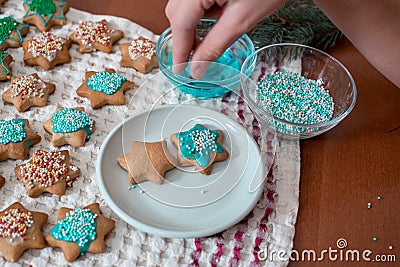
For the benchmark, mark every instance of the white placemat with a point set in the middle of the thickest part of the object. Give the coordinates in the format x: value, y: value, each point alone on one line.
x: 271, y: 223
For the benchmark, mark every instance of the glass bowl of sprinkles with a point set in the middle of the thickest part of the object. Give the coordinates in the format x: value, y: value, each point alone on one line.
x: 297, y: 90
x: 222, y: 75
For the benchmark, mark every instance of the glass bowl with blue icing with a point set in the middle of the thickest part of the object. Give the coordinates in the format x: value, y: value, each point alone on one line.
x: 222, y: 76
x: 297, y: 90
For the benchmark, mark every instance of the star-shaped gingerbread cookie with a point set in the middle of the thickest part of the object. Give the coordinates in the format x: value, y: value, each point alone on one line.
x: 3, y: 1
x: 104, y: 88
x: 45, y: 13
x: 46, y: 50
x: 140, y: 54
x: 69, y: 126
x: 95, y: 35
x: 28, y: 91
x: 80, y: 230
x: 20, y: 229
x: 147, y: 161
x: 16, y: 138
x: 11, y: 32
x: 5, y: 69
x: 200, y: 147
x: 47, y: 171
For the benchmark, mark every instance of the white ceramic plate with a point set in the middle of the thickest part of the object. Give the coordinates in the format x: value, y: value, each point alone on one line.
x: 188, y: 204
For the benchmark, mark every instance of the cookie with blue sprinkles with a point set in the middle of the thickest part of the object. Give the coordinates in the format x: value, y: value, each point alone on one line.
x: 80, y: 230
x: 200, y: 147
x: 69, y: 126
x: 104, y: 88
x: 16, y: 137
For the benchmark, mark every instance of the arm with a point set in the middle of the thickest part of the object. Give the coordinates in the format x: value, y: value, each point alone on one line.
x: 374, y: 29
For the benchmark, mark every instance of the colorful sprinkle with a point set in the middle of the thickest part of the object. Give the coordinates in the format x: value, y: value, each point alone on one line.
x: 379, y: 198
x: 15, y: 223
x: 7, y: 26
x: 46, y: 44
x: 45, y: 9
x: 142, y: 47
x: 44, y: 168
x: 27, y: 86
x: 91, y: 32
x: 12, y: 131
x: 68, y: 120
x: 374, y: 238
x: 79, y: 226
x: 105, y: 82
x: 294, y: 98
x: 198, y: 142
x: 3, y: 56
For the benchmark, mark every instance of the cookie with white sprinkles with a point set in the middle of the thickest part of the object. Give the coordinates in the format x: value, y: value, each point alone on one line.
x: 20, y: 229
x: 140, y: 54
x: 28, y: 91
x: 95, y: 35
x: 47, y: 171
x: 46, y: 50
x: 200, y: 147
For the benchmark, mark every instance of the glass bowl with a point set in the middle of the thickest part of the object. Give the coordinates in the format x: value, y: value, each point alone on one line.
x: 222, y: 75
x: 310, y: 63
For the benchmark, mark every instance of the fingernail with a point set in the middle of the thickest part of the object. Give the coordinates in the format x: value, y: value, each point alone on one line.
x: 198, y: 69
x: 179, y: 68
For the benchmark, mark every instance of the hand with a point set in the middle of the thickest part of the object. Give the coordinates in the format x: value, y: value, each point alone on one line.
x: 235, y: 18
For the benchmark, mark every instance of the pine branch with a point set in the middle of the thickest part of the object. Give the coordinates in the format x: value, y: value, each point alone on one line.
x: 299, y: 21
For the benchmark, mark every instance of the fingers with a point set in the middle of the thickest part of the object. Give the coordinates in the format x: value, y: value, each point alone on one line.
x: 237, y: 18
x: 183, y: 17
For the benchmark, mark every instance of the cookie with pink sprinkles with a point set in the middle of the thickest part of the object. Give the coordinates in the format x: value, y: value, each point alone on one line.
x: 20, y: 230
x: 46, y: 50
x: 28, y: 91
x: 95, y: 35
x: 47, y: 171
x: 139, y: 54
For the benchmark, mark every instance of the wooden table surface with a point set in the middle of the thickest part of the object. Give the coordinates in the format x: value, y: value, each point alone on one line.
x: 342, y: 170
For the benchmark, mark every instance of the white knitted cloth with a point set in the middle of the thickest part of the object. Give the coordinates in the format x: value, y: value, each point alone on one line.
x: 270, y: 223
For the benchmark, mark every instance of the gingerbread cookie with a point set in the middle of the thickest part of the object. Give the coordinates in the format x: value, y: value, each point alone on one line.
x: 147, y: 161
x: 200, y: 147
x: 46, y: 50
x: 45, y: 13
x: 5, y: 69
x: 104, y: 88
x: 15, y: 139
x: 95, y: 35
x: 28, y: 91
x: 20, y: 229
x: 3, y: 1
x: 11, y: 32
x: 2, y: 181
x: 69, y: 126
x: 47, y: 171
x: 140, y: 54
x: 80, y: 230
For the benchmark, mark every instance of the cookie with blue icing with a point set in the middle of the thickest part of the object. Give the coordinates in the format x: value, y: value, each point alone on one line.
x: 104, y: 88
x: 16, y: 137
x: 200, y: 147
x: 80, y: 230
x: 45, y: 13
x: 69, y: 126
x: 5, y: 69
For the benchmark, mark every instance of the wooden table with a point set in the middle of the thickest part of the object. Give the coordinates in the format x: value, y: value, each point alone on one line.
x: 342, y: 170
